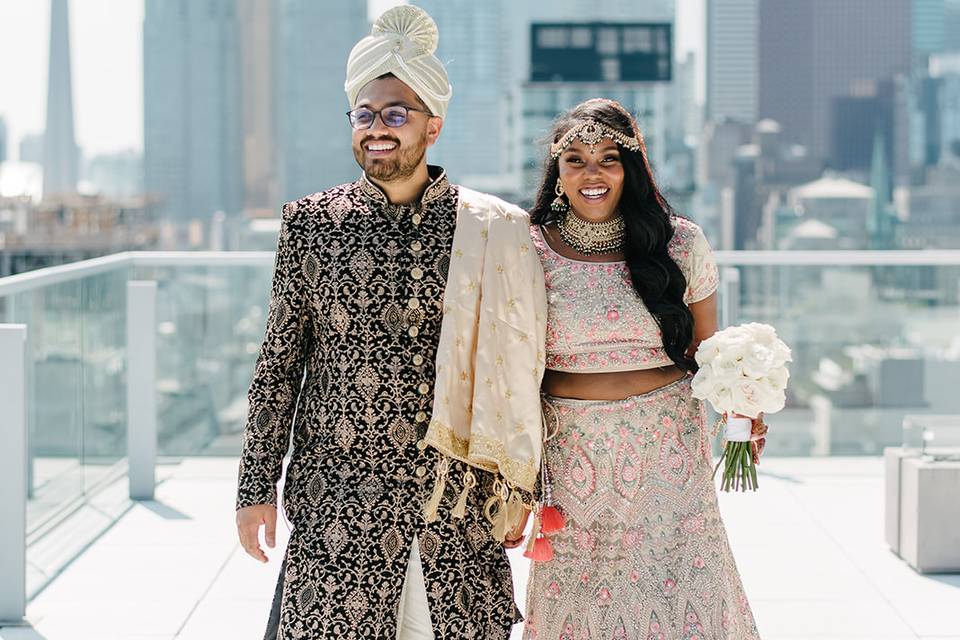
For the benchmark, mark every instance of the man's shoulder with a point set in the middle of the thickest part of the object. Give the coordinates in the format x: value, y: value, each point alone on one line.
x: 490, y: 207
x: 316, y: 203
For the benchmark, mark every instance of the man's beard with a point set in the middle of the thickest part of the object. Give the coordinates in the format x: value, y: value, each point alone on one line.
x: 402, y: 165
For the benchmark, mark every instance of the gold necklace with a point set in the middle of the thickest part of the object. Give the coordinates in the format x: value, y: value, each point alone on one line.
x: 592, y: 238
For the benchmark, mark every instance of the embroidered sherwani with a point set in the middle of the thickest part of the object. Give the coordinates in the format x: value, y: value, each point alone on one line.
x: 356, y: 305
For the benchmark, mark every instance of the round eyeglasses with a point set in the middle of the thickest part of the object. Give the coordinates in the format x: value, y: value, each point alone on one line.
x: 393, y: 116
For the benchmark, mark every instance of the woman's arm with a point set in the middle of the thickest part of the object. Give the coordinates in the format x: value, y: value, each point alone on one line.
x: 704, y: 321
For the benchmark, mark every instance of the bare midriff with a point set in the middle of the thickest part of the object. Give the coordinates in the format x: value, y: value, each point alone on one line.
x: 613, y: 385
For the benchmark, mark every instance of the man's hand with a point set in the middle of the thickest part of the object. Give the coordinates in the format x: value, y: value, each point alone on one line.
x: 249, y: 521
x: 515, y: 538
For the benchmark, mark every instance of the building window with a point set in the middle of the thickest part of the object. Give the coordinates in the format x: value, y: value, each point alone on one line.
x: 608, y: 42
x: 581, y: 38
x: 637, y: 40
x: 610, y: 68
x: 553, y: 38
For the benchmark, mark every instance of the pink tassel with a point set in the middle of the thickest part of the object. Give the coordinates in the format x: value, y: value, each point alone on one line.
x: 542, y: 550
x: 551, y: 520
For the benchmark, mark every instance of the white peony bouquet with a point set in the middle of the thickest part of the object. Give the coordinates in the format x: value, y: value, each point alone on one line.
x: 743, y: 374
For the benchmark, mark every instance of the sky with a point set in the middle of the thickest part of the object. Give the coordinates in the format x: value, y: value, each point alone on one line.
x: 106, y: 40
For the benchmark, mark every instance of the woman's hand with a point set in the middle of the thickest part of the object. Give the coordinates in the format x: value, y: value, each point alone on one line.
x: 515, y: 537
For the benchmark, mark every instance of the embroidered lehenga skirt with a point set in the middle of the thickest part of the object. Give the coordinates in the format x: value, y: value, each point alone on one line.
x: 644, y: 553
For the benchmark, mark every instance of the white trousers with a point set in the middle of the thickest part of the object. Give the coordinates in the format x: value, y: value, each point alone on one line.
x: 413, y: 616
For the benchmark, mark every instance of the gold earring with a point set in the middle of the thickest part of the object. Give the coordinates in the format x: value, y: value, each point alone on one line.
x: 559, y: 204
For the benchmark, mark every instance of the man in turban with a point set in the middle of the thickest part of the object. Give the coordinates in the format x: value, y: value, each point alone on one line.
x: 404, y: 348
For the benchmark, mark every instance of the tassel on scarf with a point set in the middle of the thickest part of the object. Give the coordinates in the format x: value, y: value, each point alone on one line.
x: 539, y: 548
x: 469, y: 481
x: 553, y: 521
x: 433, y: 504
x: 534, y: 533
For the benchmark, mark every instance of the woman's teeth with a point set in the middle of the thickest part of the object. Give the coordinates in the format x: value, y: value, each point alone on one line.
x: 595, y: 193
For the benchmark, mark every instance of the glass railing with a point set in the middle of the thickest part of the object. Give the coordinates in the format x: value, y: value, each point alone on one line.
x: 875, y: 337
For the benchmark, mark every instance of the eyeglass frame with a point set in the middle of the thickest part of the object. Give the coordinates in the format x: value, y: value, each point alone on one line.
x: 378, y: 114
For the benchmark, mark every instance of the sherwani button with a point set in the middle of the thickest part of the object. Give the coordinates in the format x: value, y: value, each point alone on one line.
x: 413, y: 332
x: 424, y: 388
x: 416, y: 245
x: 421, y: 416
x: 417, y: 273
x: 413, y: 303
x: 421, y: 444
x: 418, y: 360
x: 421, y: 471
x: 416, y: 218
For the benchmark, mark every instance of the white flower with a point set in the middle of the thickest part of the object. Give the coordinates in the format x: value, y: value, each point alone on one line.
x: 743, y: 370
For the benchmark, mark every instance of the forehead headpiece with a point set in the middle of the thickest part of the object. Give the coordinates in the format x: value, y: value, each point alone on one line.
x: 590, y: 133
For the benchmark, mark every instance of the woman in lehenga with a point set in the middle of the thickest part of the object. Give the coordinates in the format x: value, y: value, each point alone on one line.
x: 631, y: 290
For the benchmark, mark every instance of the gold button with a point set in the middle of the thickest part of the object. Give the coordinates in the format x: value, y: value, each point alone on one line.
x: 414, y: 332
x: 421, y: 444
x: 416, y: 219
x: 417, y: 273
x: 416, y: 245
x: 413, y: 303
x: 421, y: 471
x: 418, y: 359
x: 424, y: 388
x: 421, y: 416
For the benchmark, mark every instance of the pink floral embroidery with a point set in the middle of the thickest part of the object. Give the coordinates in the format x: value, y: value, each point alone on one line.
x: 597, y: 322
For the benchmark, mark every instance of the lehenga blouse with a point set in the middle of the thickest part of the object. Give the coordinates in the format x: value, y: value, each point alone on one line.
x: 597, y: 322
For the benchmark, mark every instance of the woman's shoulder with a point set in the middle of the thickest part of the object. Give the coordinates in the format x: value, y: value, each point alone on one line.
x: 688, y: 238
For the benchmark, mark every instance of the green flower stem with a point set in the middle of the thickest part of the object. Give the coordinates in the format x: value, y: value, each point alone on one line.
x: 739, y: 472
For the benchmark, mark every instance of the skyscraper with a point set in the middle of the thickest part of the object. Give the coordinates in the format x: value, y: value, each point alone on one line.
x: 257, y: 22
x: 60, y: 154
x: 314, y: 135
x: 815, y: 54
x: 192, y: 103
x: 732, y: 59
x: 929, y: 26
x: 477, y: 49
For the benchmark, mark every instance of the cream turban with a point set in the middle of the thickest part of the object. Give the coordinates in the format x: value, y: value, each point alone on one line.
x: 402, y: 42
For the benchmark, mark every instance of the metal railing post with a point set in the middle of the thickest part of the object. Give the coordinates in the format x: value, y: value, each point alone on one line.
x: 729, y: 296
x: 13, y: 472
x: 141, y: 388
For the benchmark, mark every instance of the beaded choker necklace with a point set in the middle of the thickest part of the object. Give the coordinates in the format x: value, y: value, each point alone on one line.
x: 592, y: 238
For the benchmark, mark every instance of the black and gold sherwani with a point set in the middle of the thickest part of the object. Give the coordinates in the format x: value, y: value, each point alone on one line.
x: 356, y: 302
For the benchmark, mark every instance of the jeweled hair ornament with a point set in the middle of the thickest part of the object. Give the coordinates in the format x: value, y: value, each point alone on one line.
x: 591, y: 132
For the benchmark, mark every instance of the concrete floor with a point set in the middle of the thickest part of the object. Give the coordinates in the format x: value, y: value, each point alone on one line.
x: 809, y: 545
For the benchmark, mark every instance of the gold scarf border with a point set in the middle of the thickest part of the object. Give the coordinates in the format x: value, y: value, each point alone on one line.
x: 504, y: 507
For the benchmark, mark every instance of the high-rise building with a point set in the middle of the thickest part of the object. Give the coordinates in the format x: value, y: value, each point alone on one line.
x: 477, y: 49
x: 951, y: 25
x: 732, y: 60
x: 257, y: 23
x: 929, y: 27
x: 314, y: 41
x: 193, y: 136
x: 60, y: 153
x: 815, y: 53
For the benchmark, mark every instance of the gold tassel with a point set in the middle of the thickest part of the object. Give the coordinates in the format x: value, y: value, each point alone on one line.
x: 469, y: 481
x: 499, y: 531
x: 514, y: 509
x: 534, y: 532
x: 433, y: 504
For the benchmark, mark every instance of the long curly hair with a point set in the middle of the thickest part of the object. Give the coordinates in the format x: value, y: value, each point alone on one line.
x: 655, y: 276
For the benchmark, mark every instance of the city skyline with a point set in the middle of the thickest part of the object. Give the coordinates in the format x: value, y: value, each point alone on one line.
x: 108, y: 78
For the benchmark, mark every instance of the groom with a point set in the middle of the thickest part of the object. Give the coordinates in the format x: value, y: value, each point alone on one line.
x: 359, y: 297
